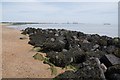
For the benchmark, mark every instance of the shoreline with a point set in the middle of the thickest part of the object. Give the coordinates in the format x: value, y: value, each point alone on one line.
x: 17, y: 60
x: 79, y: 51
x: 86, y: 28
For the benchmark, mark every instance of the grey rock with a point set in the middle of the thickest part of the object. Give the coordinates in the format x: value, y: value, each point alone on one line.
x: 56, y: 35
x: 91, y: 70
x: 110, y: 60
x: 52, y: 39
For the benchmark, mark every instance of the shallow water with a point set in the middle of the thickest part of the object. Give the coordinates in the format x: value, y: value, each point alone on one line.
x: 101, y: 29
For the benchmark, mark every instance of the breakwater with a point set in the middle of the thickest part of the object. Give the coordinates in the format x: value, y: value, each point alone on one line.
x: 94, y: 56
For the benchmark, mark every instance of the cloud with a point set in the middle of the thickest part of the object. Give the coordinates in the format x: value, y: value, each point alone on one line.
x: 60, y: 11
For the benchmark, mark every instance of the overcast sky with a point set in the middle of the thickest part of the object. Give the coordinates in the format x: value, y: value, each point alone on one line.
x: 84, y: 12
x: 59, y: 0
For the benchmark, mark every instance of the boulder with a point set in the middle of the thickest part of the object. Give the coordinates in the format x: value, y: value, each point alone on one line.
x: 113, y: 73
x: 76, y: 54
x: 117, y: 52
x: 91, y: 70
x: 65, y: 58
x: 110, y: 60
x: 96, y: 54
x: 58, y: 59
x: 86, y: 46
x: 116, y: 41
x: 67, y: 75
x: 57, y: 45
x: 93, y: 38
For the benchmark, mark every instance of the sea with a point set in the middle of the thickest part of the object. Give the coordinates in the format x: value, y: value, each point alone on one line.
x: 110, y: 30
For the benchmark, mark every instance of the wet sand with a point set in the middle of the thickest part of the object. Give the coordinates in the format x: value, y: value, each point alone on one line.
x: 17, y: 60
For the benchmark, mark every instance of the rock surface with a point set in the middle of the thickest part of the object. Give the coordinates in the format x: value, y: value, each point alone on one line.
x: 113, y: 73
x: 110, y: 60
x: 64, y: 47
x: 90, y: 70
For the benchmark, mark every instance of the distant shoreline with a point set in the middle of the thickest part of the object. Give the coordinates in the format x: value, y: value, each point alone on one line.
x: 105, y: 29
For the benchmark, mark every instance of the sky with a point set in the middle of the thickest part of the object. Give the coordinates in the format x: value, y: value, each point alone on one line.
x: 83, y: 12
x: 60, y: 0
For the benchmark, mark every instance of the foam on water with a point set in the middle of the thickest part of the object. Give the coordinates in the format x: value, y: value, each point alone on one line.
x: 101, y: 29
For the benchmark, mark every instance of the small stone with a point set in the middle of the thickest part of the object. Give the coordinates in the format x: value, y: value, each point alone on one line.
x: 51, y: 31
x: 95, y: 47
x: 64, y: 50
x: 104, y: 68
x: 56, y: 35
x: 52, y: 39
x: 76, y: 39
x: 61, y: 41
x: 85, y: 41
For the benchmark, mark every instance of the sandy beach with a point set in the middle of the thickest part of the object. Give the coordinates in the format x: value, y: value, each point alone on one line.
x: 17, y: 60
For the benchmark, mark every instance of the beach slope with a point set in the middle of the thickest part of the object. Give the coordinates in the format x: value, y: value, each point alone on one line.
x: 17, y: 60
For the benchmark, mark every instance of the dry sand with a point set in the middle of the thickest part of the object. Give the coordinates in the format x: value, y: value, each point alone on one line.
x: 17, y: 60
x: 0, y: 52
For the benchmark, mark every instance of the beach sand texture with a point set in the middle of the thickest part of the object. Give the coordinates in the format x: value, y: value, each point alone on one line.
x: 17, y: 60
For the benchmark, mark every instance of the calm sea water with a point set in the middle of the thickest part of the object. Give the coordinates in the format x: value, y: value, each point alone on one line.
x: 101, y: 29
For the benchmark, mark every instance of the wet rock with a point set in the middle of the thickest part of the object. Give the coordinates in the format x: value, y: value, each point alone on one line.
x: 110, y: 60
